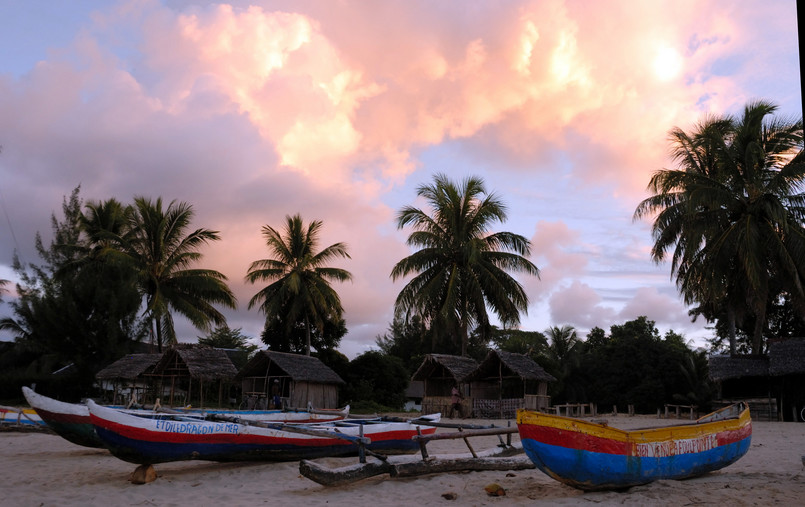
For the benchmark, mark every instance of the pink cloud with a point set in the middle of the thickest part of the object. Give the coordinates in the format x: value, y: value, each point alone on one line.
x: 251, y: 114
x: 579, y: 305
x: 556, y: 250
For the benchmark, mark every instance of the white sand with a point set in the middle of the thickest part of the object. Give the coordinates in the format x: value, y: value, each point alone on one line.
x: 45, y: 470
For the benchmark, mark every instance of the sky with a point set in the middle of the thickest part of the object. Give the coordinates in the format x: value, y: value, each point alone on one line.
x: 339, y: 110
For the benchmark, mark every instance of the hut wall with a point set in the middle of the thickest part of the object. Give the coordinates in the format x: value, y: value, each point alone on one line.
x: 442, y: 405
x: 491, y: 399
x: 486, y: 389
x: 792, y: 398
x: 438, y: 397
x: 319, y: 395
x: 436, y: 387
x: 505, y: 408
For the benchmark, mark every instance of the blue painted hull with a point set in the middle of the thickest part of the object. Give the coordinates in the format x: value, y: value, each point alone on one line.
x: 595, y: 470
x: 139, y: 451
x: 157, y: 440
x: 592, y: 456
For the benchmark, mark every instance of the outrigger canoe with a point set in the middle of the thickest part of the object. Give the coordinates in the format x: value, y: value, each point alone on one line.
x: 72, y: 421
x: 592, y: 456
x: 147, y: 441
x: 20, y: 417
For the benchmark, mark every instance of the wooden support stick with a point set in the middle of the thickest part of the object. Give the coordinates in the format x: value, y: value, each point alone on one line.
x: 464, y: 434
x: 466, y: 441
x: 422, y: 443
x: 294, y: 428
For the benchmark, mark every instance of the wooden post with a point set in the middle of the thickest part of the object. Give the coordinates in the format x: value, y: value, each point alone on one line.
x: 614, y: 410
x: 361, y: 450
x: 173, y: 384
x: 422, y: 444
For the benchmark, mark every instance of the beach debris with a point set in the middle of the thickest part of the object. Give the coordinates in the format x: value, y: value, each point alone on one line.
x: 450, y: 495
x: 495, y: 489
x: 143, y: 474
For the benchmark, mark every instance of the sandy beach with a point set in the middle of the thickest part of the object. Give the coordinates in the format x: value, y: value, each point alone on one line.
x: 41, y: 469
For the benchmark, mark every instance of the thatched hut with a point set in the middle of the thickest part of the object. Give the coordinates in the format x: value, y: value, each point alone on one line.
x: 439, y: 373
x: 787, y: 368
x: 506, y: 381
x: 128, y: 378
x: 744, y: 378
x: 180, y: 368
x: 301, y: 380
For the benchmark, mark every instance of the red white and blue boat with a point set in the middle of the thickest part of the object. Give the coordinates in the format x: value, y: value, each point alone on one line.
x: 148, y: 441
x: 72, y: 421
x: 592, y: 456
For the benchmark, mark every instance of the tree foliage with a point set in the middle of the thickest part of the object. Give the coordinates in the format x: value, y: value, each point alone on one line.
x: 163, y: 253
x: 79, y: 313
x: 223, y: 337
x: 731, y: 217
x: 300, y: 292
x: 298, y: 340
x: 635, y: 365
x: 460, y: 269
x: 529, y: 343
x: 379, y: 378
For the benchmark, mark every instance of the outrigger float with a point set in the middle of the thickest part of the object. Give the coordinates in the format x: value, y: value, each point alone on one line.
x: 506, y: 456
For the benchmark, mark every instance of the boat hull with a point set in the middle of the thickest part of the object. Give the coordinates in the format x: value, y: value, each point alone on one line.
x: 590, y: 456
x: 71, y: 421
x: 149, y: 441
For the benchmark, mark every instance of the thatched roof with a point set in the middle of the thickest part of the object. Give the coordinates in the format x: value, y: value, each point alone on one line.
x: 513, y: 365
x: 129, y: 367
x: 199, y: 363
x: 445, y: 366
x: 725, y: 367
x: 298, y: 367
x: 787, y: 357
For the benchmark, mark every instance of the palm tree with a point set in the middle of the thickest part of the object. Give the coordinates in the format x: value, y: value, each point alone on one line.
x: 563, y: 352
x: 103, y: 226
x: 563, y: 342
x: 733, y: 214
x: 162, y: 254
x: 460, y: 267
x: 300, y: 291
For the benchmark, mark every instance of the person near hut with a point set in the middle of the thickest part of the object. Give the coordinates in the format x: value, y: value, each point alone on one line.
x: 455, y: 402
x: 276, y: 402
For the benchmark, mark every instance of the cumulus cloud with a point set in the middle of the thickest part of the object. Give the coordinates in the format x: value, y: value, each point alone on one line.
x: 579, y: 305
x: 252, y: 110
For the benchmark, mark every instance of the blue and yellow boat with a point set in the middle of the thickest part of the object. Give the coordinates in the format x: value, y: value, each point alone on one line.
x: 592, y: 456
